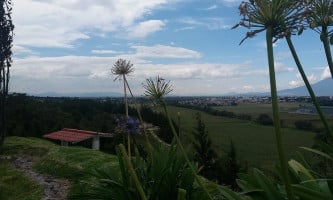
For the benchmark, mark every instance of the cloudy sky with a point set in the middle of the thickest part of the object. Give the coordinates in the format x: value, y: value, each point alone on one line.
x: 70, y: 46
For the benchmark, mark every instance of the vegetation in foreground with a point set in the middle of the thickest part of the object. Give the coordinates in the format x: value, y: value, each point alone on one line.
x: 291, y: 180
x: 14, y: 185
x: 73, y: 163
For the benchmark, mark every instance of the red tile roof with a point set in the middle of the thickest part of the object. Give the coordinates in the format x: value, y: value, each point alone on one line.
x: 71, y: 135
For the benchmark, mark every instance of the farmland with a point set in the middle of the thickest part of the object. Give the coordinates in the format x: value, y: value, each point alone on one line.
x: 288, y: 112
x: 255, y: 143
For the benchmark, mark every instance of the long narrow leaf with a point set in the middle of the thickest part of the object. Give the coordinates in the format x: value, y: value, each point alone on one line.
x: 318, y: 152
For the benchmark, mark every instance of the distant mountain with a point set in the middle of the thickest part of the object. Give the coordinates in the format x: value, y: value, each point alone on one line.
x: 321, y: 88
x: 83, y: 94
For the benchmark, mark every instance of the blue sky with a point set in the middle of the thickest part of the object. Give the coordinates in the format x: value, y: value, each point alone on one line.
x: 69, y: 46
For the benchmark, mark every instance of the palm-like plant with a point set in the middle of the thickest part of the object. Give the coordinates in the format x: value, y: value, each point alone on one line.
x: 272, y: 16
x: 320, y: 19
x: 121, y: 69
x: 155, y: 90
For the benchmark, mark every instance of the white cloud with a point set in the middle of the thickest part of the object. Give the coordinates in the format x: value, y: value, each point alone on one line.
x: 185, y: 28
x: 96, y: 51
x: 21, y: 50
x: 326, y: 73
x: 161, y: 51
x: 230, y: 2
x: 211, y: 23
x: 213, y: 7
x: 80, y: 74
x: 281, y: 68
x: 59, y: 23
x: 299, y: 80
x: 248, y: 88
x: 143, y: 29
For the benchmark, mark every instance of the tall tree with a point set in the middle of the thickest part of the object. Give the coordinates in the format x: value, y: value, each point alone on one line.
x: 202, y: 144
x: 6, y: 39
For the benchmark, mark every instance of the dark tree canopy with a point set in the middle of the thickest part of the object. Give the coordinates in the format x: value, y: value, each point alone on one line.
x: 6, y: 40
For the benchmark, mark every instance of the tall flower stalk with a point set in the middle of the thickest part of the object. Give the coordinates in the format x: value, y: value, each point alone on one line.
x: 272, y: 16
x: 155, y: 90
x: 320, y: 19
x: 308, y: 86
x: 149, y: 147
x: 121, y: 69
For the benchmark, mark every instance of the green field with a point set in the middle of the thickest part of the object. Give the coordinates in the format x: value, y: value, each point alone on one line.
x: 255, y: 143
x: 287, y: 112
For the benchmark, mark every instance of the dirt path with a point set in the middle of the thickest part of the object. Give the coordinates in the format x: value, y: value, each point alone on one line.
x: 54, y: 189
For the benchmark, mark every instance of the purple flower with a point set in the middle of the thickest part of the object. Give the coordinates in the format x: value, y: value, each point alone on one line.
x: 127, y: 125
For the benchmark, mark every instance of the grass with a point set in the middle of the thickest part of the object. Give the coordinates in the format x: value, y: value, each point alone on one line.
x: 73, y: 163
x: 254, y: 143
x: 14, y: 185
x: 287, y: 112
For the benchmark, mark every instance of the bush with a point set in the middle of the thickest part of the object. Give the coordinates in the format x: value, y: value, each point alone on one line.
x: 265, y: 119
x: 304, y: 125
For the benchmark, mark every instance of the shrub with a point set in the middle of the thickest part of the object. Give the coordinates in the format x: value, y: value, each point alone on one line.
x: 265, y: 119
x: 304, y: 125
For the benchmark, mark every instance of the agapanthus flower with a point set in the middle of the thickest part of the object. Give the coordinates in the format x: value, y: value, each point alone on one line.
x: 127, y: 125
x: 156, y: 89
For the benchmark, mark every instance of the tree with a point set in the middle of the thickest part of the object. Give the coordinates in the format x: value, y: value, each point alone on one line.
x: 204, y: 153
x: 6, y: 39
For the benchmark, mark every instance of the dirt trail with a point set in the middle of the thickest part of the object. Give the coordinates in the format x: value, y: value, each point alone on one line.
x: 54, y: 189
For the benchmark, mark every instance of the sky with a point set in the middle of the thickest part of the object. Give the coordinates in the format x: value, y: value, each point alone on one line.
x: 70, y: 46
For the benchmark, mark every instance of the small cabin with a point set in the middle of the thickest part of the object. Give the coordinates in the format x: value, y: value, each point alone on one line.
x: 67, y: 135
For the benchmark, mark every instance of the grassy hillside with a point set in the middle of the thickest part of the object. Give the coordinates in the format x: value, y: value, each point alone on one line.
x: 73, y: 163
x: 254, y: 143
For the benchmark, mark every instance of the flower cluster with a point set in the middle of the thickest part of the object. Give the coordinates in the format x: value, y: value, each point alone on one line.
x: 127, y: 125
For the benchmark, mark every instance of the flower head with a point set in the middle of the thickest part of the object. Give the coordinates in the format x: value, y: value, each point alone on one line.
x: 127, y: 125
x: 320, y: 14
x: 122, y: 67
x: 156, y: 89
x: 284, y: 16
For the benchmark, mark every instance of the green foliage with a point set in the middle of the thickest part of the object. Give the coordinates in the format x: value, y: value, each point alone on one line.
x: 304, y: 125
x: 161, y: 177
x: 255, y: 143
x: 202, y: 144
x: 265, y: 119
x: 160, y: 120
x: 15, y: 185
x: 6, y: 40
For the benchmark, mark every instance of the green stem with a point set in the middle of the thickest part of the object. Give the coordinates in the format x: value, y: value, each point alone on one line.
x: 308, y: 86
x: 126, y: 111
x: 326, y: 42
x: 276, y: 118
x: 184, y: 153
x: 141, y: 121
x: 132, y: 172
x: 125, y: 96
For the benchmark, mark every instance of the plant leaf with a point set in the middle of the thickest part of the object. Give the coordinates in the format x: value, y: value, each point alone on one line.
x: 306, y: 193
x: 267, y: 185
x: 318, y: 152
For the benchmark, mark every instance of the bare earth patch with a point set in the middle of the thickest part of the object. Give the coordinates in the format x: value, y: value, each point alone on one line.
x: 54, y: 189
